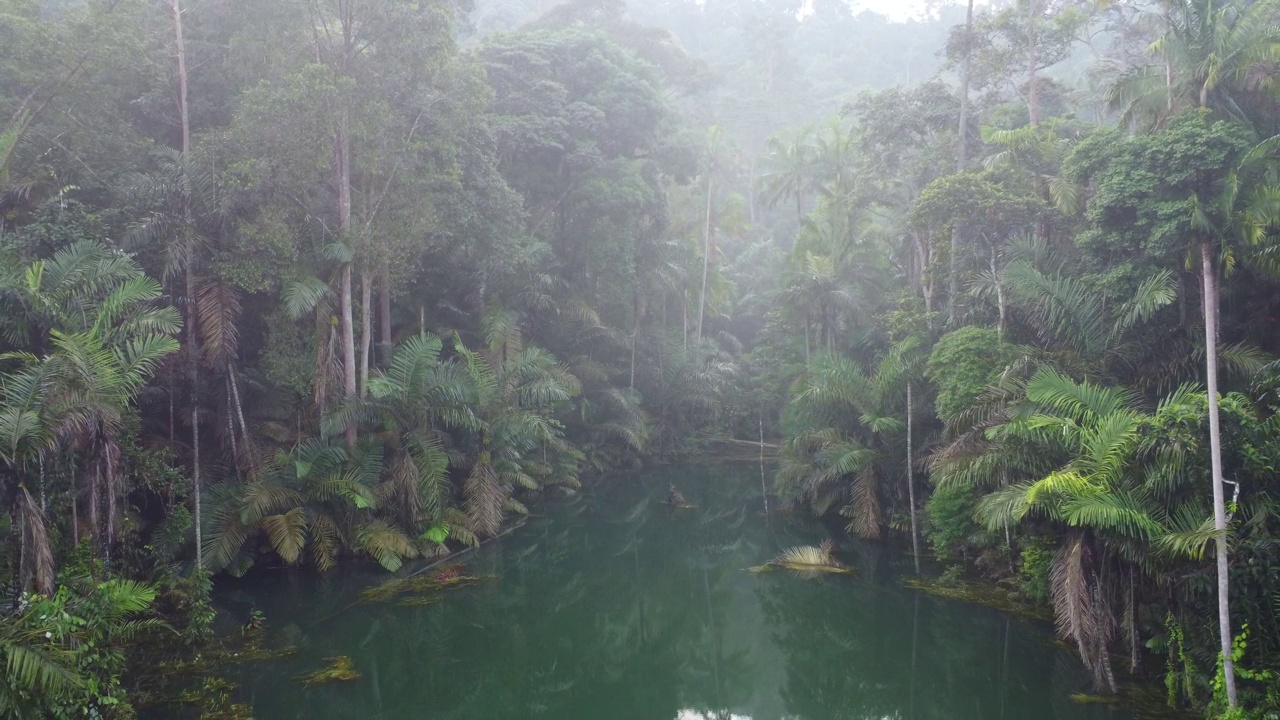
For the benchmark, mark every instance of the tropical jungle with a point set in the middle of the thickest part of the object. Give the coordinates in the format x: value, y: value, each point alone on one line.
x: 740, y: 359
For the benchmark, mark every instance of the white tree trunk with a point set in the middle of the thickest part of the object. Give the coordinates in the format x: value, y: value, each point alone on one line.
x: 189, y: 260
x: 911, y: 480
x: 1215, y: 459
x: 706, y: 266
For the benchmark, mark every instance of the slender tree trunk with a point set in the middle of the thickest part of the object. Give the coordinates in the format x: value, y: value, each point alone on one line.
x: 384, y: 314
x: 366, y: 330
x: 239, y: 406
x: 1033, y: 62
x: 193, y: 342
x: 808, y: 353
x: 911, y: 479
x: 684, y: 311
x: 181, y: 47
x: 1000, y: 302
x: 764, y: 490
x: 342, y: 170
x: 75, y: 507
x: 193, y: 351
x: 347, y: 321
x: 706, y: 265
x: 1215, y: 458
x: 962, y: 160
x: 635, y: 330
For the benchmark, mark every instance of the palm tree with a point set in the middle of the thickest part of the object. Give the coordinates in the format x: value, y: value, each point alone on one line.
x: 1214, y: 54
x: 185, y: 221
x: 847, y: 432
x: 789, y: 170
x: 410, y: 406
x: 53, y: 652
x: 1119, y: 495
x: 513, y: 404
x: 318, y: 500
x: 816, y: 295
x: 101, y: 333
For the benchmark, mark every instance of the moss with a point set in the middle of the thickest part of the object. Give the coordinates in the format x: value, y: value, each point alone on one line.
x: 1141, y: 701
x: 419, y: 601
x: 339, y: 669
x: 446, y: 578
x: 976, y: 594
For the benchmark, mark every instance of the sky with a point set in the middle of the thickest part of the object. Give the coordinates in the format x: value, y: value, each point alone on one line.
x: 902, y: 9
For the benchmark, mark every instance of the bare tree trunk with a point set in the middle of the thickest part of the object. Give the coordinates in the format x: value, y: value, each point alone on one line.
x: 347, y: 321
x: 193, y: 350
x: 1033, y: 62
x: 764, y: 491
x: 684, y: 310
x: 75, y: 506
x: 635, y: 330
x: 808, y: 353
x: 1000, y: 302
x: 181, y: 48
x: 366, y: 329
x: 193, y: 342
x: 239, y: 406
x: 962, y: 159
x: 911, y: 479
x: 384, y: 313
x: 1215, y: 458
x: 706, y: 265
x: 342, y: 159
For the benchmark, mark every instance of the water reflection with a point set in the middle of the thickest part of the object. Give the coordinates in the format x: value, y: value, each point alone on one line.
x: 618, y: 606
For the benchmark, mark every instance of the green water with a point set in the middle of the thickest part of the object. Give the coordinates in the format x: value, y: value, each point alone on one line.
x: 615, y: 606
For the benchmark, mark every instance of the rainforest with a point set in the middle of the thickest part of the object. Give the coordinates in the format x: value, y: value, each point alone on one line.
x: 654, y: 359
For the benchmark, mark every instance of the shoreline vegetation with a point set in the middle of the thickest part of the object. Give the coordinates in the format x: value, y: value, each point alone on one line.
x: 338, y: 283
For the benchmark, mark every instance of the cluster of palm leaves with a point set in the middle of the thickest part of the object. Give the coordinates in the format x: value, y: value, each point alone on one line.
x: 97, y: 332
x: 847, y: 438
x: 55, y: 649
x: 448, y: 442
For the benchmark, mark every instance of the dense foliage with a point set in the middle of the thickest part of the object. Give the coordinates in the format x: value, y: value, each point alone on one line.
x: 356, y: 281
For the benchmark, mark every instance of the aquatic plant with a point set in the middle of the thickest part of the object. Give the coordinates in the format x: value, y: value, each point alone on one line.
x: 339, y: 669
x: 806, y: 559
x: 676, y: 500
x: 450, y: 576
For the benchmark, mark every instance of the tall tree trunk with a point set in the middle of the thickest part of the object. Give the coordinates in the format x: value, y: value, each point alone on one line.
x: 962, y: 159
x: 808, y: 353
x: 342, y: 169
x: 366, y: 329
x: 75, y: 506
x: 193, y: 343
x: 911, y: 479
x: 1000, y: 301
x: 635, y: 330
x: 1033, y: 62
x: 706, y: 265
x: 193, y: 370
x: 180, y: 46
x: 1215, y: 459
x: 684, y: 311
x: 384, y: 313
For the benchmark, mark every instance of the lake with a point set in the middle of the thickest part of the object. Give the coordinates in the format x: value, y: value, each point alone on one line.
x: 616, y: 606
